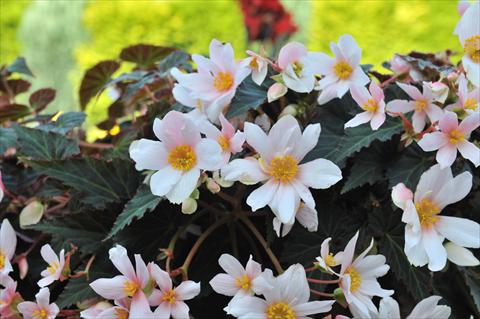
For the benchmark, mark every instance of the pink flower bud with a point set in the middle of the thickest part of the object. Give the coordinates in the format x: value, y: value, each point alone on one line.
x: 276, y: 91
x: 462, y: 7
x: 23, y: 266
x: 212, y: 186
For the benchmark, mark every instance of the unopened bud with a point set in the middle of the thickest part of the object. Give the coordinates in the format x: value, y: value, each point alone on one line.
x: 439, y: 90
x: 276, y: 91
x: 31, y: 214
x: 23, y: 266
x: 220, y: 181
x: 212, y: 186
x: 291, y: 109
x: 189, y: 206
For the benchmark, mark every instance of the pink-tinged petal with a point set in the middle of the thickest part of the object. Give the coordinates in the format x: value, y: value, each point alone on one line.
x: 47, y: 280
x: 177, y: 129
x: 433, y: 141
x: 448, y: 122
x: 376, y: 91
x: 163, y: 311
x: 224, y: 284
x: 140, y: 307
x: 194, y: 81
x: 258, y: 76
x: 216, y: 50
x: 285, y: 203
x: 359, y: 119
x: 43, y: 297
x: 49, y: 255
x: 52, y: 310
x: 327, y: 94
x: 461, y: 256
x: 342, y: 87
x: 236, y: 142
x: 253, y: 269
x: 162, y: 278
x: 180, y: 310
x: 162, y: 182
x: 290, y: 53
x: 323, y: 62
x: 348, y: 253
x: 276, y: 91
x: 308, y: 218
x: 432, y: 181
x: 143, y: 275
x: 204, y: 65
x: 247, y: 307
x: 284, y: 134
x: 454, y: 190
x: 461, y: 231
x: 119, y: 257
x: 185, y: 186
x: 210, y: 130
x: 319, y: 174
x: 218, y: 105
x: 148, y: 154
x: 227, y: 128
x: 400, y: 106
x: 360, y: 94
x: 110, y: 288
x: 209, y: 154
x: 109, y: 313
x: 470, y: 123
x: 155, y: 297
x: 327, y: 82
x: 446, y: 155
x: 187, y: 290
x: 358, y: 77
x: 437, y: 255
x: 257, y: 138
x: 470, y: 151
x: 231, y: 265
x: 304, y: 193
x: 247, y: 171
x: 263, y: 195
x: 377, y: 120
x: 8, y: 239
x: 27, y: 308
x: 418, y: 121
x: 308, y: 141
x: 400, y: 195
x: 350, y: 49
x: 313, y: 307
x: 434, y: 112
x: 411, y: 90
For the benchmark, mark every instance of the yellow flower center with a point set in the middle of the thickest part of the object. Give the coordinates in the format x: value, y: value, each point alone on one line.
x: 330, y: 261
x: 427, y: 212
x: 224, y: 143
x: 370, y: 106
x: 2, y: 260
x: 253, y: 63
x: 420, y: 105
x: 130, y: 288
x: 169, y: 296
x: 342, y: 70
x: 471, y: 104
x: 53, y: 267
x: 243, y: 282
x: 182, y: 158
x: 121, y: 313
x: 283, y: 168
x: 297, y: 68
x: 280, y: 310
x: 40, y: 313
x: 472, y: 48
x: 355, y: 279
x: 223, y: 81
x: 455, y: 136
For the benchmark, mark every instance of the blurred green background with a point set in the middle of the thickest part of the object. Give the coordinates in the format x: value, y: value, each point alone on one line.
x: 61, y: 39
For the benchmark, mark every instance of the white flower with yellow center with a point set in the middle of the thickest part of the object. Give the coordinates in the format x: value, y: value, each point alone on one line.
x: 359, y: 277
x: 8, y: 243
x: 215, y: 82
x: 468, y: 31
x: 177, y: 158
x: 468, y: 101
x: 372, y: 103
x: 258, y: 65
x: 170, y: 300
x: 124, y: 309
x: 286, y: 298
x: 286, y: 181
x: 341, y: 73
x: 327, y: 260
x: 42, y: 309
x: 426, y: 229
x: 306, y: 216
x: 55, y: 265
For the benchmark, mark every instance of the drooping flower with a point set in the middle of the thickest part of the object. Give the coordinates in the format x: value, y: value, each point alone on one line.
x: 422, y: 105
x: 286, y: 181
x: 177, y: 158
x: 439, y: 91
x: 170, y: 301
x: 372, y: 103
x: 400, y: 66
x: 132, y: 281
x: 55, y: 267
x: 42, y: 309
x: 9, y: 297
x: 287, y: 297
x: 298, y: 67
x: 426, y: 229
x: 216, y: 79
x: 8, y: 243
x: 327, y: 260
x: 230, y: 141
x: 452, y: 137
x: 467, y: 100
x: 259, y: 66
x: 468, y: 31
x: 342, y: 72
x: 359, y: 277
x: 238, y: 281
x: 124, y: 308
x: 306, y: 216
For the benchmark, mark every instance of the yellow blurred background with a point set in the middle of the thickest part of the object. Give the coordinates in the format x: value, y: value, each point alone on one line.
x: 61, y: 39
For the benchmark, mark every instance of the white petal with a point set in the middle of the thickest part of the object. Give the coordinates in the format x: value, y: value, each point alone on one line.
x: 437, y: 255
x: 319, y: 173
x: 257, y: 138
x: 148, y: 154
x: 263, y: 195
x: 180, y: 310
x: 453, y: 190
x: 161, y: 277
x: 224, y: 284
x: 313, y: 307
x: 162, y: 182
x: 8, y: 239
x: 119, y: 257
x: 461, y: 231
x: 187, y: 290
x: 389, y: 308
x: 231, y: 265
x: 359, y: 119
x: 247, y: 171
x: 460, y: 256
x: 424, y: 308
x: 185, y: 186
x: 110, y: 288
x: 308, y: 141
x: 209, y: 154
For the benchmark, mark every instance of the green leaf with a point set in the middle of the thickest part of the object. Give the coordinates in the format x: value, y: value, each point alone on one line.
x: 20, y: 66
x: 248, y: 96
x: 95, y: 79
x: 8, y: 138
x: 13, y: 112
x: 177, y: 59
x: 41, y: 145
x: 410, y: 166
x: 65, y: 123
x: 472, y: 279
x: 41, y: 98
x: 143, y: 202
x: 122, y: 144
x: 99, y: 182
x: 145, y: 54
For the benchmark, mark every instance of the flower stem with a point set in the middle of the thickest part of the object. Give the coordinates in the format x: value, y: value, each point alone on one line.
x: 322, y: 294
x: 323, y: 282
